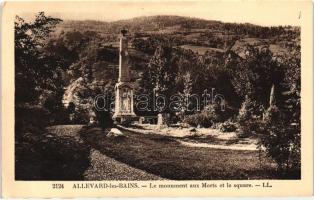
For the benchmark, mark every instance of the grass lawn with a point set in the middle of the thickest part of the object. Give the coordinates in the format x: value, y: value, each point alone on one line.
x: 165, y: 157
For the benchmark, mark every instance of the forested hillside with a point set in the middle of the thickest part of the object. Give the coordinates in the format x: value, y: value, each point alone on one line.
x: 92, y: 47
x: 86, y: 53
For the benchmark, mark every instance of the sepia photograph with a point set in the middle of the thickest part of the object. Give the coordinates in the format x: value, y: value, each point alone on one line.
x: 143, y: 95
x: 156, y: 99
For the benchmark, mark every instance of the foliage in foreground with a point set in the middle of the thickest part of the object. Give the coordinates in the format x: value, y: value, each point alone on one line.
x: 282, y: 137
x: 42, y: 156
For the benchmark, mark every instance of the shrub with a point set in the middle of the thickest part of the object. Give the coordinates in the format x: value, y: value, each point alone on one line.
x: 209, y: 116
x: 28, y: 117
x: 59, y: 117
x: 58, y: 114
x: 250, y: 109
x: 205, y: 119
x: 81, y: 116
x: 282, y: 141
x: 250, y: 117
x: 250, y: 127
x: 271, y: 114
x: 227, y: 126
x: 62, y: 158
x: 103, y: 117
x: 47, y: 157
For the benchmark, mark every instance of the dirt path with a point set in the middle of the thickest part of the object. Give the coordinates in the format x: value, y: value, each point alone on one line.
x: 106, y: 168
x: 101, y: 166
x: 251, y: 147
x: 204, y: 137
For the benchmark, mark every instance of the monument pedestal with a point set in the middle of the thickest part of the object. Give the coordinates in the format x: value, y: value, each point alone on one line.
x: 124, y: 102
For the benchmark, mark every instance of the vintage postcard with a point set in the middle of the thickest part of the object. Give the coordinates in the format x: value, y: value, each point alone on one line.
x: 157, y: 98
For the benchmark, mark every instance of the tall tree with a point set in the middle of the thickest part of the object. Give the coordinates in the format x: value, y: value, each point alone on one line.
x: 187, y: 91
x: 163, y: 70
x: 33, y: 71
x: 254, y: 75
x: 160, y: 75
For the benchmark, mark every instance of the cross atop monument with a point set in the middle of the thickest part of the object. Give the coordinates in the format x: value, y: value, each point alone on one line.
x: 124, y: 32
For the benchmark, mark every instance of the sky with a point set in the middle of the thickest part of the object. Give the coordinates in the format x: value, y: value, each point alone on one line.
x: 266, y: 13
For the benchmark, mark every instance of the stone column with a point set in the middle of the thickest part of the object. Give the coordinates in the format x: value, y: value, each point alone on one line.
x: 123, y: 58
x: 124, y: 104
